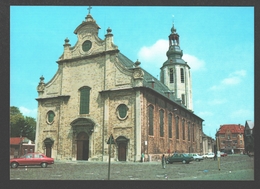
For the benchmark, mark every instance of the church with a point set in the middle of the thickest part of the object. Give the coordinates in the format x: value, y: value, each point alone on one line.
x: 98, y: 94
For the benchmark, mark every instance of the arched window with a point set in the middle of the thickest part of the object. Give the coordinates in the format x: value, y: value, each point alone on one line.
x: 193, y: 131
x: 170, y: 125
x: 161, y: 113
x: 183, y: 129
x: 84, y: 100
x: 177, y: 127
x: 189, y: 131
x: 171, y: 76
x: 151, y: 115
x: 182, y: 75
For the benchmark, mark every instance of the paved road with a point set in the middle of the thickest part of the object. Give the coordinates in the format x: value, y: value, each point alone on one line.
x: 233, y: 167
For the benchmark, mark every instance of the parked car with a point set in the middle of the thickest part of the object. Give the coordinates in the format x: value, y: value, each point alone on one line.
x: 31, y: 159
x: 197, y: 157
x: 208, y: 155
x: 184, y: 158
x: 223, y: 154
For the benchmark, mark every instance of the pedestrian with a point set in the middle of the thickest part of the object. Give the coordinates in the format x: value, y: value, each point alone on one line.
x: 163, y: 161
x: 215, y: 156
x: 142, y: 157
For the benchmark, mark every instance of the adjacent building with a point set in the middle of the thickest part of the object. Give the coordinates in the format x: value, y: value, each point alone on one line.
x: 20, y: 146
x: 98, y: 92
x: 230, y: 138
x: 249, y: 137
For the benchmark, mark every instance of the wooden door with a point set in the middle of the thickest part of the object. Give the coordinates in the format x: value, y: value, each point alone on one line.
x: 48, y: 150
x: 79, y: 149
x: 82, y: 146
x: 122, y: 151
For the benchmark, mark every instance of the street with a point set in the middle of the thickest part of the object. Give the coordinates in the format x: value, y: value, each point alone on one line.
x: 232, y: 167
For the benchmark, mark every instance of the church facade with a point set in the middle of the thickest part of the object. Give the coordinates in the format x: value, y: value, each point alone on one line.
x: 97, y: 92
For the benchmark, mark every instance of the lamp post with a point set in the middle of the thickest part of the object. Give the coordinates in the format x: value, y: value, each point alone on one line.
x: 110, y: 141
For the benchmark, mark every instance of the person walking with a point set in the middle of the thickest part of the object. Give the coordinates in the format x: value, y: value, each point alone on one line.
x: 163, y: 161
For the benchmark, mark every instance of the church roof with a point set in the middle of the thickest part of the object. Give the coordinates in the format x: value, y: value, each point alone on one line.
x: 149, y: 79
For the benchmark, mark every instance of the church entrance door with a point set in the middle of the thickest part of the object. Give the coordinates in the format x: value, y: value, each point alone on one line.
x: 122, y: 151
x: 82, y: 146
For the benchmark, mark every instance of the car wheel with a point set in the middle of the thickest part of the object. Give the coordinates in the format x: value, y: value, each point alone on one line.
x: 184, y: 161
x: 14, y: 165
x: 197, y: 160
x: 44, y: 165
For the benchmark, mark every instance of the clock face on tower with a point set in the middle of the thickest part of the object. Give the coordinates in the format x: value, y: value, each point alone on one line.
x: 86, y: 45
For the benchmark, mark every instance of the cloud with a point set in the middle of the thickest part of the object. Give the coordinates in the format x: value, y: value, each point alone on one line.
x: 28, y: 112
x: 195, y: 63
x: 156, y: 55
x: 233, y: 79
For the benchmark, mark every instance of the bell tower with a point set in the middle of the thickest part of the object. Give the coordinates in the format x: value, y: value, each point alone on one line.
x: 175, y: 72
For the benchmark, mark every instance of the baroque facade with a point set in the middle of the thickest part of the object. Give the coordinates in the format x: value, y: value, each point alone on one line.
x: 98, y: 92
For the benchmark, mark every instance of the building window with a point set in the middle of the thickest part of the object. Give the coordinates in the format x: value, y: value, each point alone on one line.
x: 171, y: 76
x: 241, y: 142
x: 84, y: 100
x: 161, y: 123
x: 193, y: 135
x: 170, y: 125
x: 122, y: 111
x: 151, y: 112
x: 183, y: 129
x: 182, y: 75
x: 177, y: 127
x: 183, y: 99
x: 50, y: 117
x: 189, y: 131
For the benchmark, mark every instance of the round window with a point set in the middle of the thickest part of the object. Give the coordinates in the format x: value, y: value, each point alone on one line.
x: 122, y: 111
x: 50, y: 117
x: 86, y: 45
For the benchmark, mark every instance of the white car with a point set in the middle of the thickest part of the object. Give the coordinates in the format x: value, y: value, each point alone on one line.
x: 208, y: 155
x: 197, y: 157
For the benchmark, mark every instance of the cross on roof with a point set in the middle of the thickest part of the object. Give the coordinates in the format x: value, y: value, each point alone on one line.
x: 89, y: 8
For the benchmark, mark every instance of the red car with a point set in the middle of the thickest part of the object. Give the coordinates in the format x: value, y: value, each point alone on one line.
x: 32, y: 159
x: 223, y: 154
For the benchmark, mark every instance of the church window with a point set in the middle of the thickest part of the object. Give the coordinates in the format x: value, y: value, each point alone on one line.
x: 161, y: 123
x: 122, y: 111
x: 171, y: 76
x: 183, y: 99
x: 84, y: 100
x: 182, y: 75
x: 193, y: 131
x: 177, y: 127
x: 183, y: 129
x: 189, y: 131
x: 170, y: 125
x: 50, y: 117
x: 151, y: 112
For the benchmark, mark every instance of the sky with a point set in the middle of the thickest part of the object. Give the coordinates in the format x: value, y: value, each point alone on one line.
x: 217, y: 44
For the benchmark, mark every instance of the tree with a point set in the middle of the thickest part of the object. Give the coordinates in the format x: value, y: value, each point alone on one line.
x: 21, y: 125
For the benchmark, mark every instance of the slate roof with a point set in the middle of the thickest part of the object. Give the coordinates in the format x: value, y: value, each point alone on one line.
x: 148, y: 79
x: 233, y: 128
x: 250, y: 124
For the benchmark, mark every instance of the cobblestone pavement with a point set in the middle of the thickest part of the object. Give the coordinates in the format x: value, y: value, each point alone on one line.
x: 232, y: 167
